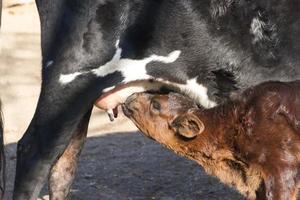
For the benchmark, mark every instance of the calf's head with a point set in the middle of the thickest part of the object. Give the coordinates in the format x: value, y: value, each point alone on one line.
x: 165, y: 118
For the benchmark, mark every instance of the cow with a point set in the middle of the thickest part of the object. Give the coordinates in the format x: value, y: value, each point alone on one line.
x: 98, y: 51
x: 251, y: 142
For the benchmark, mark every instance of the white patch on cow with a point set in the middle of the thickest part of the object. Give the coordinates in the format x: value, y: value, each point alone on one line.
x: 197, y: 92
x: 49, y: 63
x: 130, y: 69
x: 67, y: 78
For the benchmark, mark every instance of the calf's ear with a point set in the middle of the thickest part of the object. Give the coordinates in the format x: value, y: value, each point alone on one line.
x: 188, y: 125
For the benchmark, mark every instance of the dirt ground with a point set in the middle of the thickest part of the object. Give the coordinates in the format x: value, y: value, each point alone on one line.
x: 117, y: 162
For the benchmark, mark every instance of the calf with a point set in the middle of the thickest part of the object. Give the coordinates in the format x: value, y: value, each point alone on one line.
x: 251, y: 143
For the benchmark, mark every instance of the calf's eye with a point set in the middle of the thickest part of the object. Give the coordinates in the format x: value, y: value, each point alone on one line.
x: 155, y: 105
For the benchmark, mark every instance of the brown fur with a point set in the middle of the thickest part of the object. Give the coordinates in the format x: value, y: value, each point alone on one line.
x: 251, y: 143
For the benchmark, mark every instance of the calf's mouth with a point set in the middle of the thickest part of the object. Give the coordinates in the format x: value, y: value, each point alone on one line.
x: 112, y: 99
x: 132, y: 105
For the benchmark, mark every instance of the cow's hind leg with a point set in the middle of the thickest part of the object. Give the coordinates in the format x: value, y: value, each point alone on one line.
x: 63, y: 172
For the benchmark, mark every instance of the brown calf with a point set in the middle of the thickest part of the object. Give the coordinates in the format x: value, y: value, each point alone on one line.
x: 251, y: 143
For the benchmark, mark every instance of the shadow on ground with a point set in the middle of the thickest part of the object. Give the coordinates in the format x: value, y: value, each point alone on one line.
x: 130, y: 166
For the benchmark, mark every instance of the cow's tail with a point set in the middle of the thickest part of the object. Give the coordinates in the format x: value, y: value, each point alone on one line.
x: 2, y: 158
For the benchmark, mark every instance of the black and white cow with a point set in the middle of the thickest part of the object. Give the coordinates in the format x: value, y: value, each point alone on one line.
x: 204, y: 48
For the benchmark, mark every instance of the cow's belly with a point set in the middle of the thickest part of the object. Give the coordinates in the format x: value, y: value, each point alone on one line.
x: 136, y: 78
